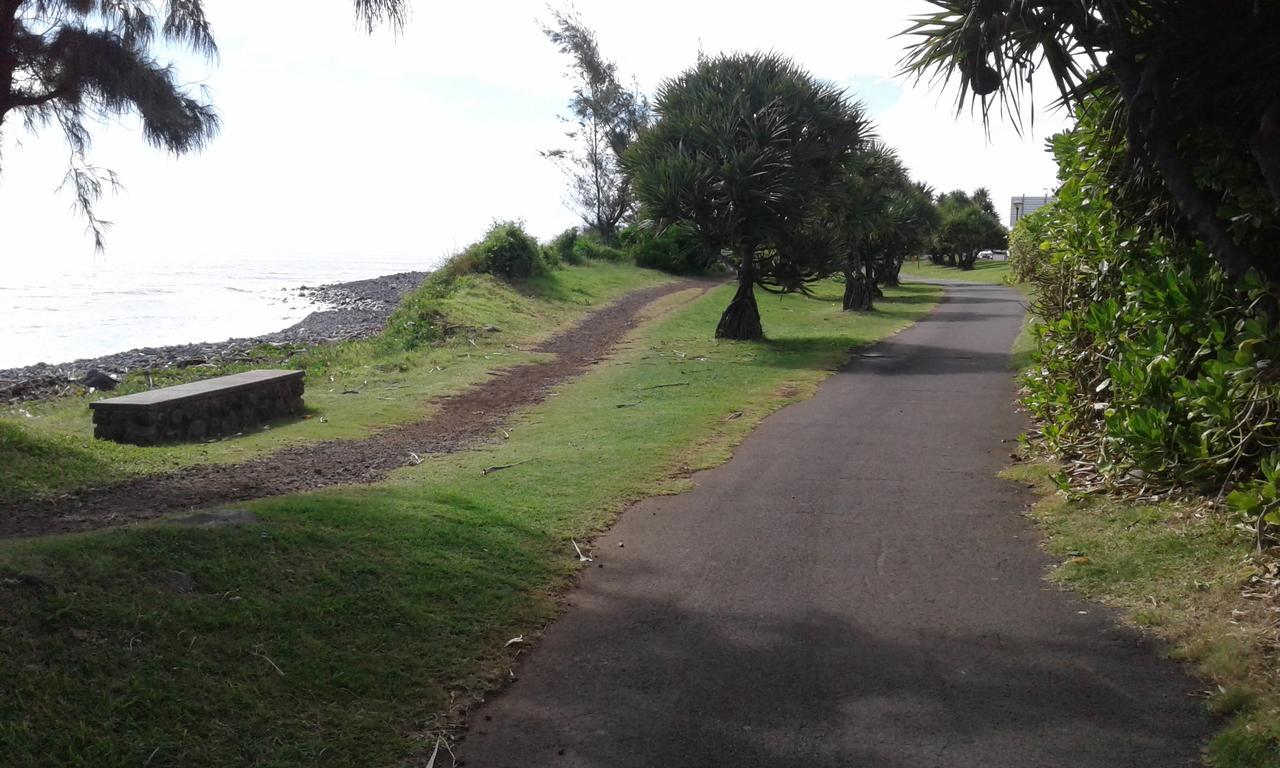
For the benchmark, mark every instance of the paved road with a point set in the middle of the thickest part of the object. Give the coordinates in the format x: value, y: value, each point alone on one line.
x: 855, y: 588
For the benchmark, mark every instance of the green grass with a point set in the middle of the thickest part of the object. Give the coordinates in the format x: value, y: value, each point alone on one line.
x: 48, y: 448
x: 993, y: 272
x: 1177, y: 572
x: 335, y: 631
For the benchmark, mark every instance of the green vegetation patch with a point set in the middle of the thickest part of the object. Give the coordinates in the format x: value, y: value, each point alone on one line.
x: 993, y: 272
x: 1179, y: 572
x: 335, y: 631
x: 353, y: 388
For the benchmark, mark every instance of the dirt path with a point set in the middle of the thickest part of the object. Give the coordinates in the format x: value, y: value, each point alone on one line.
x: 855, y: 588
x: 462, y: 421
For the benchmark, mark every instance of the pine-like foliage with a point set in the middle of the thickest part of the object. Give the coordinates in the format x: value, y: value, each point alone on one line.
x: 70, y: 63
x: 606, y: 117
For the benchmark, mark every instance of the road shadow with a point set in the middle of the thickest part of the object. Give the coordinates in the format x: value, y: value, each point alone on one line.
x: 655, y: 683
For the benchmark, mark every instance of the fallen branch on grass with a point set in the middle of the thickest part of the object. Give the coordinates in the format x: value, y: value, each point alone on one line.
x: 267, y: 658
x: 500, y: 467
x: 660, y: 386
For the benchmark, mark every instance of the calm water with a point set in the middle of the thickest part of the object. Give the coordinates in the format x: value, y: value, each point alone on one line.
x: 59, y: 313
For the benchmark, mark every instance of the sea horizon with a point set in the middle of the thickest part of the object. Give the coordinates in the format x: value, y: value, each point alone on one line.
x: 58, y: 314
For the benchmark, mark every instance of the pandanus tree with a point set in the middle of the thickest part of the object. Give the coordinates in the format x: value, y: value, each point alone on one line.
x: 70, y: 62
x: 744, y: 148
x: 1192, y: 89
x: 861, y: 212
x: 911, y: 220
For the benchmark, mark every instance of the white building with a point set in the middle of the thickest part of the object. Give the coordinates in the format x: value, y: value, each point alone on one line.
x: 1024, y: 206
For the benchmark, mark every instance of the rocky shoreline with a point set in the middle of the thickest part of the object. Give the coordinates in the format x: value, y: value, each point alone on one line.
x: 352, y: 310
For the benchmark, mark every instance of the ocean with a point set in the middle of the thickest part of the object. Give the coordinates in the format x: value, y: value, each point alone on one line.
x: 58, y: 313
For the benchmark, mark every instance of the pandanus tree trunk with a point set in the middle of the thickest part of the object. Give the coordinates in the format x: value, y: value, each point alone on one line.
x: 857, y: 289
x: 741, y: 319
x: 890, y: 276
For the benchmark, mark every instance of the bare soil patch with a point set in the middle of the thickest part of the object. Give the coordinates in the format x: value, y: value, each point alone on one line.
x: 462, y: 421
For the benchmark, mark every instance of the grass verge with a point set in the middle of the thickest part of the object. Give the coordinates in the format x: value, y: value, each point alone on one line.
x: 993, y: 272
x: 48, y: 448
x: 337, y: 630
x: 1182, y: 572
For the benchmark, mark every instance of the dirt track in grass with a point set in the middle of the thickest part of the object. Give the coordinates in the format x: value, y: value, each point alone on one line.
x: 461, y: 421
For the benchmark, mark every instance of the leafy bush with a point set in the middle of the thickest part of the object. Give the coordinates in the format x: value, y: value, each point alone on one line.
x: 673, y: 250
x: 561, y: 248
x: 506, y: 251
x: 590, y: 248
x: 1151, y: 363
x: 418, y: 320
x: 1026, y: 256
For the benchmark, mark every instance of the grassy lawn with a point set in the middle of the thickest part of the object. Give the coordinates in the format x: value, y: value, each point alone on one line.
x: 335, y: 631
x: 47, y: 448
x: 993, y: 272
x: 1179, y: 572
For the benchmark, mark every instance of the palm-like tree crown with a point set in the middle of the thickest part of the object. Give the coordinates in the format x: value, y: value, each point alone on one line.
x: 742, y: 144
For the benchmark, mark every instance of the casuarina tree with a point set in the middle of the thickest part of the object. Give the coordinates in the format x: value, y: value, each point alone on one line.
x: 745, y: 146
x: 71, y: 62
x: 606, y: 117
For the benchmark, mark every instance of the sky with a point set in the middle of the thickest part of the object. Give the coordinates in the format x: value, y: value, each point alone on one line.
x: 335, y: 142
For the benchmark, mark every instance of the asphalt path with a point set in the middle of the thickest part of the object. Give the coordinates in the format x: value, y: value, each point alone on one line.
x: 855, y: 587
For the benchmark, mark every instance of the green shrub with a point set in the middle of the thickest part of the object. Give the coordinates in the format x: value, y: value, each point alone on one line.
x: 418, y: 320
x: 1151, y: 364
x: 589, y: 248
x: 561, y: 248
x: 506, y: 251
x: 1026, y: 240
x: 674, y: 250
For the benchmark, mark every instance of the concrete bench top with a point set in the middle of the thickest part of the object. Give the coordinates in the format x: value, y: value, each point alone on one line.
x: 158, y: 398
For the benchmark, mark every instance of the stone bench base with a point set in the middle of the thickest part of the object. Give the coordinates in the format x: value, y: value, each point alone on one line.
x: 215, y: 407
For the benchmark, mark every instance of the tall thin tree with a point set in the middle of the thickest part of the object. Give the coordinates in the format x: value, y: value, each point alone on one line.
x: 606, y: 117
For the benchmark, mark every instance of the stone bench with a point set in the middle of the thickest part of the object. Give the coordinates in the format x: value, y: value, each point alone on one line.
x: 202, y: 409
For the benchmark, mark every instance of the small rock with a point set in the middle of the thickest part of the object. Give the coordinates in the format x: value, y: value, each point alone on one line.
x: 492, y: 329
x: 100, y: 380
